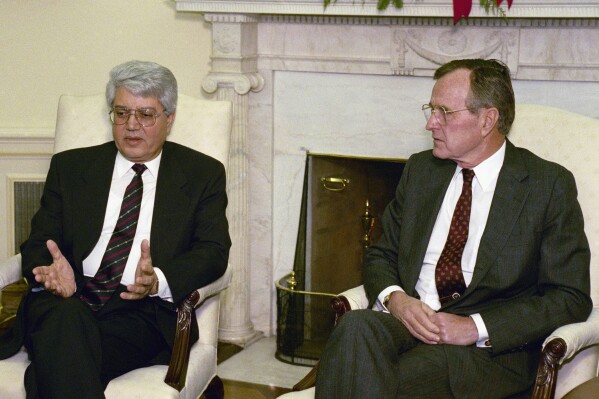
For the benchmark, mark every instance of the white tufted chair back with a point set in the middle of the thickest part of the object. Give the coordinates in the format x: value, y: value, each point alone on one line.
x: 571, y: 140
x: 199, y: 124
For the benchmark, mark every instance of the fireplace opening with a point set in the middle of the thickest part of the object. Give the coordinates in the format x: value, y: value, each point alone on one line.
x: 343, y: 199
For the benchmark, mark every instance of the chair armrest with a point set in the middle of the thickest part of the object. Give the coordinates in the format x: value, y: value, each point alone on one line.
x: 10, y: 270
x: 577, y: 335
x: 177, y: 368
x: 354, y: 298
x: 563, y: 344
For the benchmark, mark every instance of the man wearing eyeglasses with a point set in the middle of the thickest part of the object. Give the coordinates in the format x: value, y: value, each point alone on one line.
x: 125, y: 231
x: 483, y: 255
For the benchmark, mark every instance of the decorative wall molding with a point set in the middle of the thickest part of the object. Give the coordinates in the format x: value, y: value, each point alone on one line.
x: 438, y: 45
x: 533, y: 49
x: 26, y: 132
x: 25, y: 146
x: 429, y: 21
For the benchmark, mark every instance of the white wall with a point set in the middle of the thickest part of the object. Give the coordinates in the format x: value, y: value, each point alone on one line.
x: 51, y: 47
x: 54, y: 47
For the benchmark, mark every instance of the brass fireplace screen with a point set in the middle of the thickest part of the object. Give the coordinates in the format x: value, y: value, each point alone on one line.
x: 343, y: 199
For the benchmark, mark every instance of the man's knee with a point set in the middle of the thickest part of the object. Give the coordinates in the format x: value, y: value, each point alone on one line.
x: 59, y: 313
x: 357, y: 323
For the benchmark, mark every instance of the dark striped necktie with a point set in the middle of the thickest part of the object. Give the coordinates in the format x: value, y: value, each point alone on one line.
x: 448, y: 273
x: 99, y: 289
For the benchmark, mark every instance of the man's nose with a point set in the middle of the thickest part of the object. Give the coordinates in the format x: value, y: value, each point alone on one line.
x: 431, y: 122
x: 132, y: 123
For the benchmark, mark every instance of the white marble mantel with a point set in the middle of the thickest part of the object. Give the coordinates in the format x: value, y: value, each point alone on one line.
x: 350, y: 80
x: 411, y: 8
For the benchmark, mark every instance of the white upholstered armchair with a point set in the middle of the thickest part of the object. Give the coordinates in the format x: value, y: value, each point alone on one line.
x: 202, y: 125
x: 571, y: 353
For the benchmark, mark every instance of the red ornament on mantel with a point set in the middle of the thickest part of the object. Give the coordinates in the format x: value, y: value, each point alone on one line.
x: 462, y: 8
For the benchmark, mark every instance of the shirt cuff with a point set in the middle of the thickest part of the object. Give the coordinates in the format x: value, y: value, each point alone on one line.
x: 381, y: 298
x: 164, y: 291
x: 483, y: 334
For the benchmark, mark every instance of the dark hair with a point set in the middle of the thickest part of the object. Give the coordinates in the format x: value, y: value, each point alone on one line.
x: 490, y: 86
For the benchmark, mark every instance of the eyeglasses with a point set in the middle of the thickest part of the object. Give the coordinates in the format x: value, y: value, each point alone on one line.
x: 144, y: 116
x: 439, y: 112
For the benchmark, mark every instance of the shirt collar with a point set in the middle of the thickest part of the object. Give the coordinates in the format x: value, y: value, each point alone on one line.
x: 123, y: 165
x: 487, y: 171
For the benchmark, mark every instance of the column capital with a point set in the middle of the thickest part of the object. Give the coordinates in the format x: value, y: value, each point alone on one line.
x: 241, y: 82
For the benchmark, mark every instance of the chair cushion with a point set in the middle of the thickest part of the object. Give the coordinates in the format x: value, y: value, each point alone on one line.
x: 305, y: 394
x: 148, y: 383
x: 13, y: 369
x: 588, y: 390
x: 144, y: 383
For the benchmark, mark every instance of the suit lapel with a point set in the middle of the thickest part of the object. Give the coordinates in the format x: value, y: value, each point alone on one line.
x: 170, y: 204
x: 510, y: 195
x: 90, y: 201
x: 430, y: 197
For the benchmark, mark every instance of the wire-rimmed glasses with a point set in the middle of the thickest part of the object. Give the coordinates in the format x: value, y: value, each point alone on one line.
x: 440, y: 112
x: 144, y: 116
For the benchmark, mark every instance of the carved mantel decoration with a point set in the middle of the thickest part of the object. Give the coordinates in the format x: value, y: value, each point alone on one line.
x: 257, y: 41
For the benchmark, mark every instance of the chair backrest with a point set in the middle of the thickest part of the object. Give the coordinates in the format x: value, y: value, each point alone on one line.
x: 203, y: 125
x: 571, y: 140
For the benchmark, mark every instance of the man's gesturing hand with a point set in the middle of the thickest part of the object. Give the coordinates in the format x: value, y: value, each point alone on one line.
x: 146, y: 280
x: 415, y: 315
x: 58, y: 278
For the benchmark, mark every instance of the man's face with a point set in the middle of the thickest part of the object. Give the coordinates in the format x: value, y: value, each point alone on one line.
x: 460, y: 139
x: 136, y: 142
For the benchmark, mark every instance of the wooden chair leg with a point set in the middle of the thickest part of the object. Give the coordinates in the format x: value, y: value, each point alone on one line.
x: 308, y: 381
x: 215, y: 390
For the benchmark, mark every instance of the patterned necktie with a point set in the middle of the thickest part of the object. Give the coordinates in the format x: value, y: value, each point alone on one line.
x: 448, y: 273
x: 98, y: 290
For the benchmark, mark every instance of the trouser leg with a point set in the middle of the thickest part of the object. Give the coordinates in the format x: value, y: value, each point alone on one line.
x: 63, y: 341
x: 75, y: 352
x: 422, y: 373
x: 361, y: 357
x: 372, y: 355
x: 130, y: 335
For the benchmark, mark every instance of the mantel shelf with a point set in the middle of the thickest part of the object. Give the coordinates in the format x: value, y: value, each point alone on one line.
x: 545, y: 9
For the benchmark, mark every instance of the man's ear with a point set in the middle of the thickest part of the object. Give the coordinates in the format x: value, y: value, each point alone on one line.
x: 170, y: 119
x: 488, y: 121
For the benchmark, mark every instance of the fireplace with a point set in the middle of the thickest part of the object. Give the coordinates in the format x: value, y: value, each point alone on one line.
x: 350, y: 81
x: 343, y: 200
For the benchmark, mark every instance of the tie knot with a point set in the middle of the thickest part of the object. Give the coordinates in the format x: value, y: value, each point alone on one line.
x: 468, y: 175
x: 139, y: 168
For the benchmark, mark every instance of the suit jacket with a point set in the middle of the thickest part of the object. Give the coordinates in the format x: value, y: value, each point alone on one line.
x: 532, y: 269
x: 189, y: 239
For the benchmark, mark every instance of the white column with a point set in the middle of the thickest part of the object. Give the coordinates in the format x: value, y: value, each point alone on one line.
x: 233, y: 77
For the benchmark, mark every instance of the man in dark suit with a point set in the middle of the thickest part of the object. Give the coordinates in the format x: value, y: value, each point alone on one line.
x: 465, y: 320
x: 77, y: 340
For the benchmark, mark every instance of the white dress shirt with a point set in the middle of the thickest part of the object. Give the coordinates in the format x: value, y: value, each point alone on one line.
x: 121, y: 177
x: 483, y: 189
